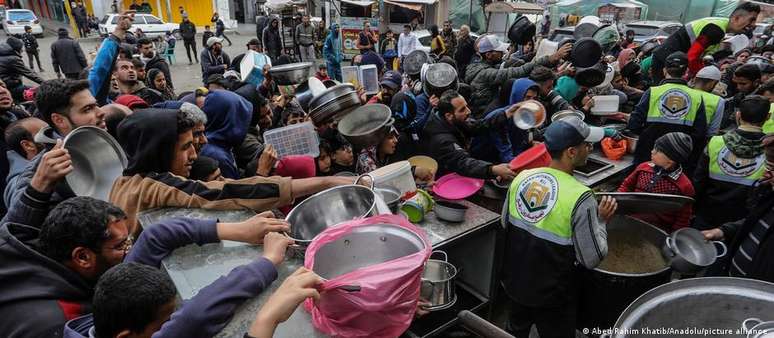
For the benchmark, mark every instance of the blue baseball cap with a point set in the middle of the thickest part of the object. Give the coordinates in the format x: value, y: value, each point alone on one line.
x: 570, y: 132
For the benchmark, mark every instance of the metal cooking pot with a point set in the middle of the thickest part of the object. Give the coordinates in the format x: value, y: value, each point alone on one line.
x: 366, y: 245
x: 367, y: 125
x: 391, y: 196
x: 567, y: 113
x: 438, y: 283
x: 688, y: 252
x: 438, y: 78
x: 330, y: 94
x: 97, y: 159
x: 631, y: 141
x: 592, y: 76
x: 586, y: 52
x: 522, y: 30
x: 711, y: 302
x: 292, y: 73
x: 330, y: 207
x: 756, y: 328
x: 413, y: 62
x: 304, y: 95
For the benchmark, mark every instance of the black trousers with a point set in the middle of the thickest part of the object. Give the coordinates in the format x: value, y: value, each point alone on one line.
x: 30, y: 56
x: 224, y: 36
x: 190, y: 45
x: 553, y: 322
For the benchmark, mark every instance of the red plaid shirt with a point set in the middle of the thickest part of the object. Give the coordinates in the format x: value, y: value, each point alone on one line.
x: 646, y: 179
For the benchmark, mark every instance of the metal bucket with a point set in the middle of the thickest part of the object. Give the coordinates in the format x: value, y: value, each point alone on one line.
x: 438, y: 283
x: 605, y: 294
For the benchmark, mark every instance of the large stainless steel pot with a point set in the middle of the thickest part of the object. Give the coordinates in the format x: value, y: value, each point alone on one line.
x: 292, y: 73
x: 605, y: 294
x: 365, y: 246
x: 710, y: 302
x: 438, y: 283
x: 97, y: 159
x: 367, y: 125
x: 688, y: 252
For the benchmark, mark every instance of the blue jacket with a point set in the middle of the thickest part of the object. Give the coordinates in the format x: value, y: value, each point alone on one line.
x: 507, y: 141
x: 17, y: 163
x: 331, y: 48
x: 228, y: 116
x: 99, y: 75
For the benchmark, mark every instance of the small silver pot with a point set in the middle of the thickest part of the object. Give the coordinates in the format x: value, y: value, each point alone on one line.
x: 292, y: 73
x: 367, y: 125
x: 438, y: 283
x: 631, y: 141
x: 756, y: 328
x: 688, y: 252
x: 391, y: 196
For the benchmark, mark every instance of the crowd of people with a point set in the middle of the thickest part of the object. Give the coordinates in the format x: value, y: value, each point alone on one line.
x: 88, y: 268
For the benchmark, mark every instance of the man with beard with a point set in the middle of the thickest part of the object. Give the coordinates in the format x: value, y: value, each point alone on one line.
x: 272, y: 40
x: 214, y: 59
x: 21, y: 147
x: 128, y: 83
x: 486, y: 76
x: 391, y: 83
x: 154, y: 60
x: 305, y: 39
x: 449, y: 39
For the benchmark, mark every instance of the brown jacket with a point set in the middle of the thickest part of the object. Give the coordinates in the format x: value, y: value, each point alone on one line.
x: 137, y: 193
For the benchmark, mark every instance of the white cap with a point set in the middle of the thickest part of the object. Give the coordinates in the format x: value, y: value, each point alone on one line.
x: 213, y: 40
x: 491, y: 43
x: 709, y: 73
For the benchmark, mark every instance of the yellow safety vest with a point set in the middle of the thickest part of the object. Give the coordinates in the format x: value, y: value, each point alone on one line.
x: 725, y: 166
x: 541, y: 201
x: 674, y: 103
x: 713, y: 105
x: 768, y: 126
x: 694, y: 29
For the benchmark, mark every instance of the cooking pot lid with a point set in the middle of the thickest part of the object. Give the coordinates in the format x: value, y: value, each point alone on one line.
x: 607, y: 36
x: 586, y: 52
x: 641, y: 202
x: 591, y: 76
x: 440, y: 75
x: 521, y: 31
x: 290, y: 66
x: 584, y: 30
x: 413, y: 62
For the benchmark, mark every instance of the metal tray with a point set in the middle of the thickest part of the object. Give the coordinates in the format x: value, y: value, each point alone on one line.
x: 646, y: 203
x: 592, y: 167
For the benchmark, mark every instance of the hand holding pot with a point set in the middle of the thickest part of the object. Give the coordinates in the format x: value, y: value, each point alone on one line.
x: 53, y: 167
x: 266, y: 161
x: 422, y: 308
x: 254, y: 229
x: 713, y: 234
x: 283, y: 302
x: 561, y: 53
x: 274, y: 246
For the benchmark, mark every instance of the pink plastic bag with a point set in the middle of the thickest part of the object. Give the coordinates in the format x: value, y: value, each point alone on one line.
x: 389, y: 291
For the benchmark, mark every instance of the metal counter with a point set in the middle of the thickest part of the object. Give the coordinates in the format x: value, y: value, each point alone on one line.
x: 194, y: 267
x: 619, y: 167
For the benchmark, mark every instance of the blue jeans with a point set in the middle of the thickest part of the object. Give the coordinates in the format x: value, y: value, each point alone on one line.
x: 334, y: 70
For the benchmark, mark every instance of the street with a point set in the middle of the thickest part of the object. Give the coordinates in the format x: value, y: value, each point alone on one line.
x: 184, y: 77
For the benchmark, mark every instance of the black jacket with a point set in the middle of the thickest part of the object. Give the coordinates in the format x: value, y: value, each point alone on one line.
x: 149, y: 154
x: 205, y: 36
x: 188, y: 30
x: 67, y: 56
x: 159, y: 63
x: 12, y: 68
x: 212, y: 64
x: 30, y: 42
x: 463, y: 54
x: 449, y: 145
x: 272, y: 42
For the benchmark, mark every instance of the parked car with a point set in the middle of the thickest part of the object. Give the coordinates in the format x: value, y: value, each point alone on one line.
x: 424, y: 38
x: 647, y: 30
x: 151, y: 25
x: 561, y: 33
x: 16, y: 19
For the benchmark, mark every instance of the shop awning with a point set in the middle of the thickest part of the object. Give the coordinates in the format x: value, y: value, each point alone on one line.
x: 514, y: 7
x: 414, y: 5
x: 361, y: 3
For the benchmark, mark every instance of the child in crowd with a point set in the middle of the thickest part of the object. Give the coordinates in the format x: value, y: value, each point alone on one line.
x: 206, y: 35
x: 664, y: 175
x: 389, y: 49
x: 323, y: 161
x: 322, y: 72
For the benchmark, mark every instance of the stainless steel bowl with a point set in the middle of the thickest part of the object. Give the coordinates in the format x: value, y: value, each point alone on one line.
x: 327, y: 208
x: 631, y: 141
x: 292, y: 73
x: 98, y: 160
x: 367, y: 125
x: 330, y: 94
x: 336, y: 107
x: 391, y: 197
x: 366, y: 245
x: 450, y: 212
x: 567, y: 113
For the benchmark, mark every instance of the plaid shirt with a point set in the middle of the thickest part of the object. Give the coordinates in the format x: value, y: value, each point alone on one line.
x: 649, y: 178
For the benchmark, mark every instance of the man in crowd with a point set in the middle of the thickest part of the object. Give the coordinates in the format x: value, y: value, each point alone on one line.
x: 272, y: 40
x: 19, y: 136
x: 670, y: 107
x: 252, y: 45
x: 12, y: 68
x: 188, y: 32
x: 703, y: 36
x: 67, y: 56
x: 465, y: 50
x: 152, y: 60
x: 81, y: 20
x: 220, y: 28
x: 365, y: 39
x: 407, y: 43
x: 447, y: 136
x: 305, y: 39
x: 390, y: 85
x: 449, y: 39
x: 31, y: 47
x: 486, y: 76
x: 545, y: 78
x: 332, y: 52
x: 160, y: 162
x: 128, y: 82
x: 730, y: 167
x: 214, y: 59
x: 553, y: 223
x: 714, y: 105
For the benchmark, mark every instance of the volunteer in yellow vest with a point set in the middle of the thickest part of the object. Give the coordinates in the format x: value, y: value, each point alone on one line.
x: 554, y: 225
x: 703, y: 36
x: 705, y: 81
x: 767, y: 90
x: 730, y: 166
x: 669, y: 107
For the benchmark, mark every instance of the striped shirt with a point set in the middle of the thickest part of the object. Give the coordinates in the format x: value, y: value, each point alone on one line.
x: 742, y: 260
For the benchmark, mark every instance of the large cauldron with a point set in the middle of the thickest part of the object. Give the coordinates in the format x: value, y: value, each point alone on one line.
x: 605, y: 294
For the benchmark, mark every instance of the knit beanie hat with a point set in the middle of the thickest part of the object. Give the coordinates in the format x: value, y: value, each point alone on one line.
x: 677, y: 146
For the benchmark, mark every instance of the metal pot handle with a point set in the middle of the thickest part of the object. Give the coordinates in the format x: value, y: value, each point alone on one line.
x: 722, y: 245
x: 445, y: 256
x: 745, y: 328
x: 670, y: 246
x: 369, y: 176
x: 390, y: 122
x: 42, y: 138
